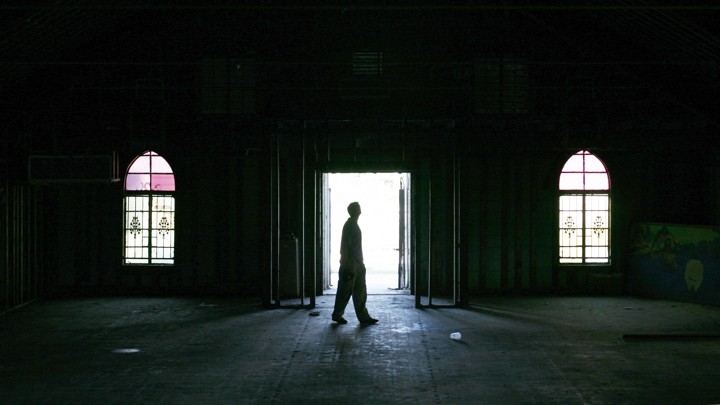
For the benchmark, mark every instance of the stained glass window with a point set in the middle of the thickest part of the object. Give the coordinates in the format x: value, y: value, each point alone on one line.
x: 584, y: 220
x: 149, y: 211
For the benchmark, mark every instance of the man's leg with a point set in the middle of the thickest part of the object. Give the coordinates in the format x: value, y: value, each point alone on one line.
x: 344, y: 291
x: 359, y: 296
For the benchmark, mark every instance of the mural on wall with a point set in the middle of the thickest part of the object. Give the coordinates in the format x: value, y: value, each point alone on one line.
x: 678, y: 262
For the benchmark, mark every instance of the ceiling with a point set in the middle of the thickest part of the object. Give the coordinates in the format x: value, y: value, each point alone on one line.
x: 674, y: 48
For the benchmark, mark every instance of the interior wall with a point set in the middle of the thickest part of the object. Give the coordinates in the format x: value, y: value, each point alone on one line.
x: 21, y: 227
x: 211, y: 98
x: 428, y: 112
x: 507, y: 226
x: 221, y: 237
x: 509, y: 221
x: 507, y: 204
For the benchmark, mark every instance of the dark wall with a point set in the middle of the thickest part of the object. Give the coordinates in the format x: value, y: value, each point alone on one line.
x: 220, y: 242
x: 23, y: 253
x: 212, y: 90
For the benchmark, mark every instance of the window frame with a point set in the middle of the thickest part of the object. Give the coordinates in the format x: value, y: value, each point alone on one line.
x: 150, y: 204
x: 588, y: 231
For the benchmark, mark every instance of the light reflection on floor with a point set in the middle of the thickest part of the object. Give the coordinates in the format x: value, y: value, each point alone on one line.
x: 378, y: 282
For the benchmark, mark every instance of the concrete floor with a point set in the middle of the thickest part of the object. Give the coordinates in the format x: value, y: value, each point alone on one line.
x: 534, y: 350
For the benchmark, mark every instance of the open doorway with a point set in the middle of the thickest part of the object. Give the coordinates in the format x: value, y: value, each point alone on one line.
x: 385, y: 224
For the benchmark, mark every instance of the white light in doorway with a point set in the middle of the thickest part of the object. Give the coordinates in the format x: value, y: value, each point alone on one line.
x: 377, y: 194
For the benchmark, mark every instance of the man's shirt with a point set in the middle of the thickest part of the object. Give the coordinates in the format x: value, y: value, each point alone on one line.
x: 351, y: 243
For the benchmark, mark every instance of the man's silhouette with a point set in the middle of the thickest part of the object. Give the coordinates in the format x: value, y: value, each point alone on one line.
x: 352, y: 271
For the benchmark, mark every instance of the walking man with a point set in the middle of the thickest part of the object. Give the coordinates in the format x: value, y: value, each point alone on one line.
x: 352, y: 271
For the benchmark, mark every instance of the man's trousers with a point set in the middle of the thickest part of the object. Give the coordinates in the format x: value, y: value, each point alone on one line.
x: 351, y: 284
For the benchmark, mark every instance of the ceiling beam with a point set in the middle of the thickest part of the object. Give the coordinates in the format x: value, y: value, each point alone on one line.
x: 345, y: 8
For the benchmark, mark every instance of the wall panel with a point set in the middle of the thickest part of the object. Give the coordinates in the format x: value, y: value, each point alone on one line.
x: 22, y: 262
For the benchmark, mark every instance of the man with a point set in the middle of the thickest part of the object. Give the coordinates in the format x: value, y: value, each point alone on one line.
x: 352, y: 271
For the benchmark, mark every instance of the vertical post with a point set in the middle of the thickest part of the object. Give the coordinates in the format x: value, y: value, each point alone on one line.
x: 8, y: 202
x: 457, y: 296
x: 274, y: 293
x: 23, y: 247
x: 308, y: 215
x: 312, y: 226
x: 310, y: 221
x: 318, y: 234
x: 276, y: 230
x: 12, y: 241
x: 401, y: 235
x: 430, y: 238
x: 415, y: 248
x: 504, y: 226
x: 409, y: 253
x: 18, y: 245
x: 37, y: 262
x: 6, y: 256
x: 271, y: 223
x: 518, y: 200
x: 465, y: 229
x: 303, y: 239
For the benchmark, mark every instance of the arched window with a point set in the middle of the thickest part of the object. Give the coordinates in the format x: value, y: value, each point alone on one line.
x: 584, y: 211
x: 149, y: 211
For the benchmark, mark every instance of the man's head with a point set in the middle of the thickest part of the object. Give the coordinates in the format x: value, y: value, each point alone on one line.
x: 354, y: 209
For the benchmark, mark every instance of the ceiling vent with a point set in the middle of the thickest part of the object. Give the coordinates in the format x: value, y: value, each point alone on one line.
x: 367, y: 79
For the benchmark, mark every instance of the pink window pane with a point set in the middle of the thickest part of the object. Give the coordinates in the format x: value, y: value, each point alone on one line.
x: 160, y: 165
x: 163, y: 182
x: 150, y: 172
x: 593, y: 164
x: 137, y: 181
x: 596, y: 181
x: 574, y: 164
x: 140, y: 165
x: 584, y: 171
x: 571, y: 181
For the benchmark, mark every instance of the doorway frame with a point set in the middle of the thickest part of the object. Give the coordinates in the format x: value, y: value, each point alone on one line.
x: 303, y: 203
x: 322, y: 239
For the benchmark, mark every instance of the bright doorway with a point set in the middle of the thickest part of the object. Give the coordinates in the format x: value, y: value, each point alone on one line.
x: 385, y: 224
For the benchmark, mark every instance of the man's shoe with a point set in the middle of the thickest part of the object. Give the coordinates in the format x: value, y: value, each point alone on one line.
x: 370, y: 321
x: 340, y: 320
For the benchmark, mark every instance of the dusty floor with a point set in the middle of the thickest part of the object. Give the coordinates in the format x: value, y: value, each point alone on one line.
x: 534, y: 350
